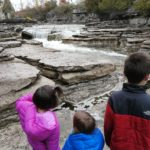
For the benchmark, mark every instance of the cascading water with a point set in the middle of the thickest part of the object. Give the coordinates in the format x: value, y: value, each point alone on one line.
x: 41, y: 33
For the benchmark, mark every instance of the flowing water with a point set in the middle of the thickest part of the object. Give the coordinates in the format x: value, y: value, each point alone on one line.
x: 41, y: 33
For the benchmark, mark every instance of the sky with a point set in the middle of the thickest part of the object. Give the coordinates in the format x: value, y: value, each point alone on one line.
x: 17, y: 4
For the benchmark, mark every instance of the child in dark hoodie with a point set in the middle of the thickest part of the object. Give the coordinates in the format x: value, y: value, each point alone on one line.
x: 85, y: 136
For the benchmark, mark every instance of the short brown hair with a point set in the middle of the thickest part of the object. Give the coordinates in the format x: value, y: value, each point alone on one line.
x: 136, y: 67
x: 84, y: 122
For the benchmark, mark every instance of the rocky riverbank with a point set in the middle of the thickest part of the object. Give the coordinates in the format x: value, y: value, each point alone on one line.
x: 87, y: 79
x: 125, y: 40
x: 26, y: 65
x: 125, y: 36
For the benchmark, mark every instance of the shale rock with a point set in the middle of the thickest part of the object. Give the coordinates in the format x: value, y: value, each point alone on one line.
x: 15, y: 75
x: 146, y: 46
x: 10, y: 44
x: 54, y: 63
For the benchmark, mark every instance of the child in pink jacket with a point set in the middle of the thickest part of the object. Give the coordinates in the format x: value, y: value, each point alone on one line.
x: 38, y: 121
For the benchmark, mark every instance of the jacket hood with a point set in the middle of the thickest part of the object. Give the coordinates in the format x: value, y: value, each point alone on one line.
x: 91, y: 141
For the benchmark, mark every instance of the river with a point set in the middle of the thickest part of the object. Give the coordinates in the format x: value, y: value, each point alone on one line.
x: 90, y: 95
x: 41, y: 33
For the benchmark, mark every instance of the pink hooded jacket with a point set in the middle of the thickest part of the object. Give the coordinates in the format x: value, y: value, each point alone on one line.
x: 42, y: 129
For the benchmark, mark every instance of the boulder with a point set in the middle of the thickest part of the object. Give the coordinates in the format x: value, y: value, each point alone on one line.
x: 26, y: 35
x: 31, y: 42
x: 54, y: 36
x: 15, y: 75
x: 18, y: 28
x: 6, y: 57
x: 97, y: 72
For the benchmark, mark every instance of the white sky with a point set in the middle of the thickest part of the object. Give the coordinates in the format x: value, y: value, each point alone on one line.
x: 17, y: 3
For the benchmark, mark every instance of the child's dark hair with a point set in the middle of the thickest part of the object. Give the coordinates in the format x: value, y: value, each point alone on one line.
x: 46, y: 97
x: 84, y: 122
x: 136, y: 67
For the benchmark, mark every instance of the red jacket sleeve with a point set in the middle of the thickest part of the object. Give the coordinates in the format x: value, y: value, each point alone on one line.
x: 108, y: 123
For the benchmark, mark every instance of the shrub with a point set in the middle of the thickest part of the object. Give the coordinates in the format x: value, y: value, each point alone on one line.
x: 143, y: 7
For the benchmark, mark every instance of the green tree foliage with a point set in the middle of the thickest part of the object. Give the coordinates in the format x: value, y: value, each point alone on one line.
x: 64, y: 9
x: 143, y: 7
x: 91, y: 5
x: 8, y: 8
x: 49, y: 5
x: 80, y: 5
x: 114, y: 5
x: 38, y: 12
x: 107, y: 6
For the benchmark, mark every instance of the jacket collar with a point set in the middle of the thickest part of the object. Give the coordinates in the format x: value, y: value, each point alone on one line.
x: 134, y: 88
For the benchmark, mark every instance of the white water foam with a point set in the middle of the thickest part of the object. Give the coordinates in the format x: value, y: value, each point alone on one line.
x: 59, y: 45
x: 41, y: 33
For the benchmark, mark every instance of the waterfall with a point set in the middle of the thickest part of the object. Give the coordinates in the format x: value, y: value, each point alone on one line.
x: 41, y: 33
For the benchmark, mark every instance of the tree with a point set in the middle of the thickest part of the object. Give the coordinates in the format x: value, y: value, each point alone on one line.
x: 91, y: 5
x: 143, y: 7
x: 114, y: 5
x: 8, y: 9
x: 64, y: 9
x: 107, y: 6
x: 49, y: 5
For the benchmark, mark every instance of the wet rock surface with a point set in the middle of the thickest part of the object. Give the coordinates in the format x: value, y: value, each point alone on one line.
x: 21, y: 75
x: 86, y: 78
x: 31, y: 42
x: 7, y: 101
x: 87, y: 90
x: 78, y: 73
x: 128, y: 39
x: 10, y: 44
x: 67, y: 67
x: 146, y: 46
x: 15, y: 75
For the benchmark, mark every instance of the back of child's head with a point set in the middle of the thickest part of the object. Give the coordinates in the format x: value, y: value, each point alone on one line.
x: 84, y: 122
x: 136, y: 67
x: 46, y: 97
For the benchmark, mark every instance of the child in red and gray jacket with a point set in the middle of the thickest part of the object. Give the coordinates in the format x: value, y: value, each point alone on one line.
x: 127, y: 116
